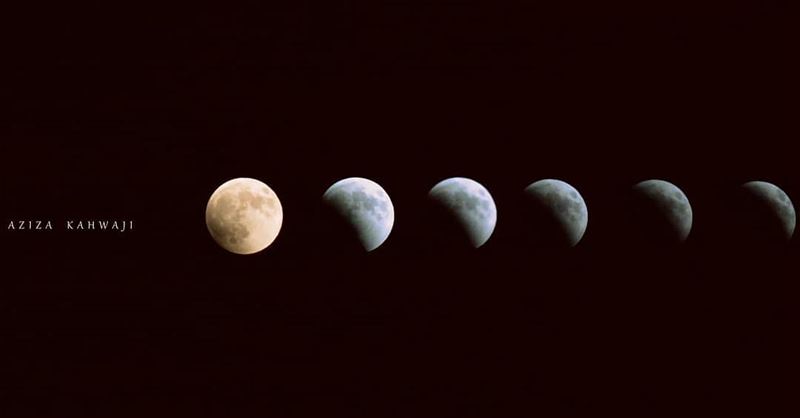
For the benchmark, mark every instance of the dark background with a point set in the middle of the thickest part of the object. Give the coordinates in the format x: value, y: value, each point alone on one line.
x: 140, y: 112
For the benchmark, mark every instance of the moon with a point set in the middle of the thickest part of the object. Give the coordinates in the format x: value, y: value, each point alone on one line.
x: 365, y: 206
x: 564, y: 205
x: 671, y: 203
x: 778, y: 203
x: 471, y: 204
x: 244, y: 216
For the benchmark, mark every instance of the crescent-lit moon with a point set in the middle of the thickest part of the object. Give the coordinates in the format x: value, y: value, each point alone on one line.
x: 471, y: 204
x: 777, y: 201
x: 671, y: 202
x: 364, y: 205
x: 564, y: 204
x: 244, y: 216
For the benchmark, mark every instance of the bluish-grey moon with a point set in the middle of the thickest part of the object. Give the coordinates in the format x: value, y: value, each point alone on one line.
x: 778, y: 201
x: 365, y: 206
x: 471, y: 204
x: 564, y: 203
x: 672, y: 203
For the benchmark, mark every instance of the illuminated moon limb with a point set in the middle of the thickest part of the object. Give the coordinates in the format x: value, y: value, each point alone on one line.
x: 671, y: 202
x: 565, y: 204
x: 471, y: 204
x: 778, y: 202
x: 244, y: 216
x: 365, y: 206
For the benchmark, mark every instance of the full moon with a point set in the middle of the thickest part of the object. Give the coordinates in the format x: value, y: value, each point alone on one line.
x: 564, y: 205
x: 471, y: 204
x: 671, y: 203
x: 244, y: 216
x: 777, y: 202
x: 364, y: 205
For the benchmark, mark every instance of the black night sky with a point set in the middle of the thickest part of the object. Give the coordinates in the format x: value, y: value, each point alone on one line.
x: 140, y: 112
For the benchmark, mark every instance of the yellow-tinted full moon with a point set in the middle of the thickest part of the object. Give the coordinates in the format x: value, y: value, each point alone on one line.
x: 244, y: 216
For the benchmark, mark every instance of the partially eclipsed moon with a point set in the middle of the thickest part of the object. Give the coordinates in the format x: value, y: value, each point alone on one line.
x: 244, y: 216
x: 365, y: 206
x: 777, y: 201
x: 471, y: 204
x: 671, y: 202
x: 565, y: 205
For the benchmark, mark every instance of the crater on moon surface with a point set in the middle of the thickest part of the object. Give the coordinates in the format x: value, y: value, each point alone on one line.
x: 558, y: 210
x: 661, y: 211
x: 365, y: 206
x: 244, y: 216
x: 470, y: 205
x: 767, y: 214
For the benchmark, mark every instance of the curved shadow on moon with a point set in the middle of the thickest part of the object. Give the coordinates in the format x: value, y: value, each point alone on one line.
x: 365, y: 207
x: 762, y: 217
x: 469, y: 204
x: 557, y: 215
x: 447, y: 233
x: 658, y: 214
x: 334, y: 232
